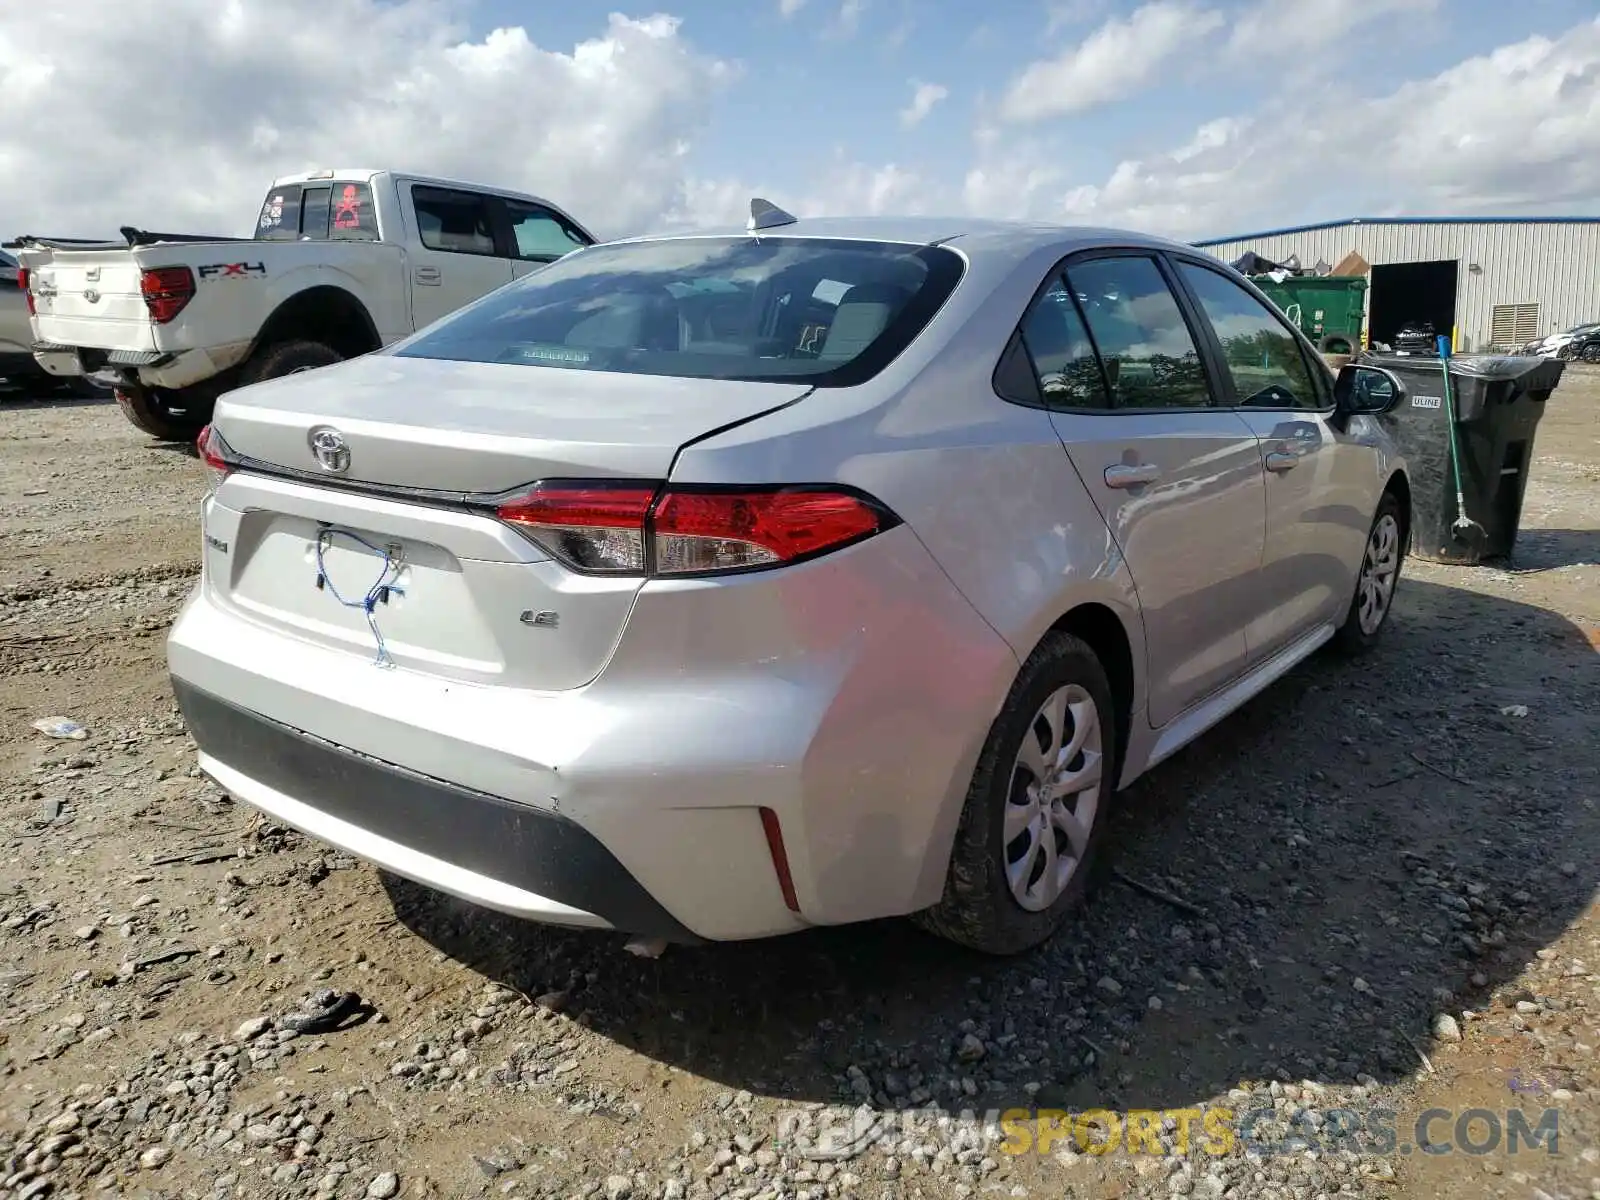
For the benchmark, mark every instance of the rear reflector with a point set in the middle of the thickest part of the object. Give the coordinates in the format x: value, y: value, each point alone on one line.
x: 646, y: 529
x: 780, y: 858
x: 166, y: 290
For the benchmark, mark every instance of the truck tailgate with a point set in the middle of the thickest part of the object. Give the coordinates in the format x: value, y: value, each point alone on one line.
x: 89, y: 298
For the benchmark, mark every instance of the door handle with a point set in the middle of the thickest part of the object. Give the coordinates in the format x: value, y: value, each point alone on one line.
x: 1122, y: 475
x: 426, y: 275
x: 1282, y: 460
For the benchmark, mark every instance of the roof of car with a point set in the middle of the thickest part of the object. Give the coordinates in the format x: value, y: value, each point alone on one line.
x: 971, y: 234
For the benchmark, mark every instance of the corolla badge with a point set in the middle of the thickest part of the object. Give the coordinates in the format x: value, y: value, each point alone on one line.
x: 329, y: 448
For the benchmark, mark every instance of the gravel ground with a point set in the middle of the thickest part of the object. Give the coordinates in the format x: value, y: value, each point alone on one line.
x: 1375, y: 896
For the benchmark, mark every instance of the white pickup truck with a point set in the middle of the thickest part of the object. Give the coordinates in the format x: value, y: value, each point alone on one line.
x: 341, y: 263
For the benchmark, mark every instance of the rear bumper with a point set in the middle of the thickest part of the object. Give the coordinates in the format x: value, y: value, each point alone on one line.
x: 483, y: 849
x: 850, y: 696
x: 151, y: 368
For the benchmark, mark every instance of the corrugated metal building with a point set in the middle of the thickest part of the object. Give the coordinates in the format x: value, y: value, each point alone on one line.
x: 1490, y: 281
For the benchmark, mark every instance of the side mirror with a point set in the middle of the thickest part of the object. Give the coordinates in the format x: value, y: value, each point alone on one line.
x: 1369, y: 390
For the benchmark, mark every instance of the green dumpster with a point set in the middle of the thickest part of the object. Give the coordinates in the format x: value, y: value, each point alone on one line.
x: 1329, y: 309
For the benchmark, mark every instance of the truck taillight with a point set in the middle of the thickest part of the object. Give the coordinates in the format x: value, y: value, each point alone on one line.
x: 166, y: 291
x: 27, y: 292
x: 645, y: 529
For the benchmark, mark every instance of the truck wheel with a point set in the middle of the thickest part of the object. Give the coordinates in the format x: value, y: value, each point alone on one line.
x: 168, y: 416
x: 1336, y: 343
x: 288, y: 358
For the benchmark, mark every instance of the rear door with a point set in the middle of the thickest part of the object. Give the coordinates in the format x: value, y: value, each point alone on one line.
x: 457, y: 255
x: 1320, y: 482
x: 1176, y: 477
x: 537, y: 235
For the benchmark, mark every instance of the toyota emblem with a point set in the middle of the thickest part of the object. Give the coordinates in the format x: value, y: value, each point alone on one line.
x: 329, y: 448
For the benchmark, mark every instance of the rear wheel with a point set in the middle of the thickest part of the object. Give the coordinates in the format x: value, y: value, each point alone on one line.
x: 170, y: 416
x: 1026, y: 844
x: 1591, y: 353
x: 288, y: 358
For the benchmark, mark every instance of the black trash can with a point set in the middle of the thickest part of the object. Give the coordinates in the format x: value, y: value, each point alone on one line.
x: 1498, y: 402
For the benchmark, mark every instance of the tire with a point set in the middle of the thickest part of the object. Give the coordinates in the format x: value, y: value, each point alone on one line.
x: 1359, y: 634
x: 1591, y: 353
x: 1337, y: 343
x: 167, y: 416
x: 287, y: 358
x: 979, y: 909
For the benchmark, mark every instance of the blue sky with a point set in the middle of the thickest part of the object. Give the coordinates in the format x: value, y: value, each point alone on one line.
x: 1188, y: 118
x: 816, y: 87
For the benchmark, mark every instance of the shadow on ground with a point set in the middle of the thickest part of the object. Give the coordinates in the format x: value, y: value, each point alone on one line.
x: 1545, y: 549
x: 1367, y: 840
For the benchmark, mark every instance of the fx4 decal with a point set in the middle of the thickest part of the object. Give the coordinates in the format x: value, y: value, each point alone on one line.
x: 238, y: 270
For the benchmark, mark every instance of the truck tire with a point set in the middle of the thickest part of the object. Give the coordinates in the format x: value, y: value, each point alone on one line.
x: 287, y: 358
x: 166, y: 416
x: 1337, y: 343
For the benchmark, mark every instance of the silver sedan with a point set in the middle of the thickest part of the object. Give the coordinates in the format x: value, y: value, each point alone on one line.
x: 722, y: 585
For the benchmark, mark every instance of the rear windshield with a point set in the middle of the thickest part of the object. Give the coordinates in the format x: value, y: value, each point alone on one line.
x: 335, y: 210
x: 774, y: 308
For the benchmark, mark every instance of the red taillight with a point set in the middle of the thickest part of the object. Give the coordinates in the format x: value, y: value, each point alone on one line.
x: 635, y: 529
x: 590, y: 527
x: 214, y: 453
x: 720, y: 531
x: 166, y: 290
x: 27, y: 292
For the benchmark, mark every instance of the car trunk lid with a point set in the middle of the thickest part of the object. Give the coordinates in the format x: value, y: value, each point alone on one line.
x: 389, y: 559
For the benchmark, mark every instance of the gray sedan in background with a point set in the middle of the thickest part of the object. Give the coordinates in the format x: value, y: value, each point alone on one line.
x: 722, y: 585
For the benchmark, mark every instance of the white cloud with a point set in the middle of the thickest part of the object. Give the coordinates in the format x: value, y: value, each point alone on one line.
x: 788, y: 8
x: 924, y: 96
x: 1514, y: 131
x: 1064, y: 14
x: 1310, y: 27
x: 847, y: 21
x: 224, y: 94
x: 1113, y: 62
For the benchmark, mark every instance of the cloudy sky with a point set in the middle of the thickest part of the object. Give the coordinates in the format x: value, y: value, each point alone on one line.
x: 1183, y: 117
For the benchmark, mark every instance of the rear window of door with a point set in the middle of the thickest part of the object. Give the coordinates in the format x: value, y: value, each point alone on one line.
x: 453, y: 222
x: 1149, y: 354
x: 540, y: 235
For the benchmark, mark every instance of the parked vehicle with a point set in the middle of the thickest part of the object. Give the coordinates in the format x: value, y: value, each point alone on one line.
x: 1584, y: 346
x: 341, y: 263
x: 18, y: 370
x: 716, y: 586
x: 1579, y: 342
x: 1416, y: 337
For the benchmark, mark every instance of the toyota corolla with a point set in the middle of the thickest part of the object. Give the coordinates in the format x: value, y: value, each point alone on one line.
x: 721, y: 585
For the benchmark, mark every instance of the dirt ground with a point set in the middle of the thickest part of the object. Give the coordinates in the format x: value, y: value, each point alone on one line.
x: 1376, y: 890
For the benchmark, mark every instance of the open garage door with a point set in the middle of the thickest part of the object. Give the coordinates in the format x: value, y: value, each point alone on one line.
x: 1419, y: 291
